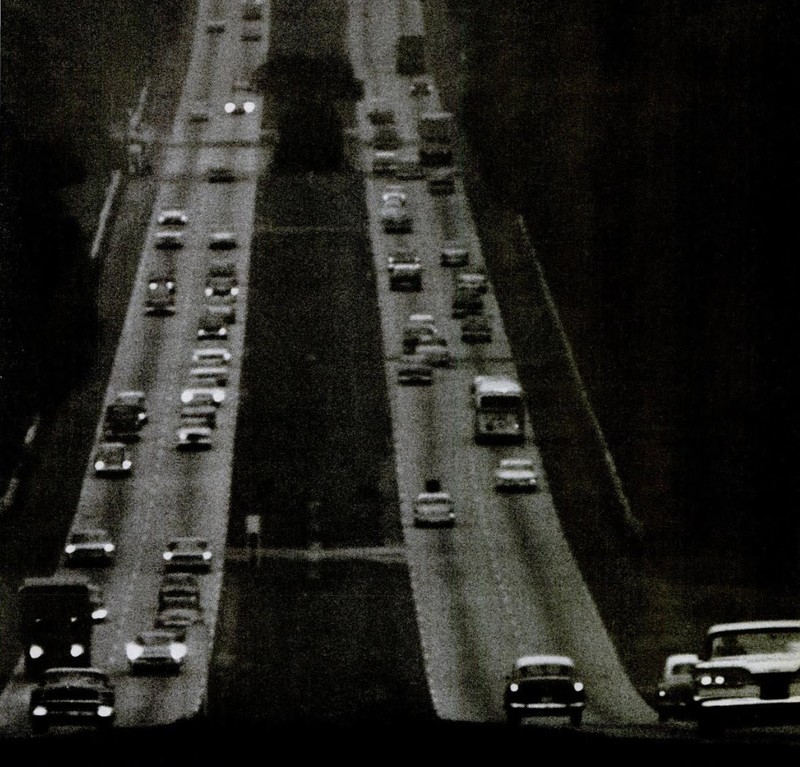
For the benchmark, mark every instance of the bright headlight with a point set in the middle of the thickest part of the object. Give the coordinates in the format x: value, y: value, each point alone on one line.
x: 234, y: 291
x: 99, y: 465
x: 230, y: 107
x: 219, y: 396
x: 177, y: 650
x: 70, y: 548
x: 99, y: 614
x: 223, y: 332
x: 167, y: 555
x: 105, y: 711
x: 126, y: 464
x: 513, y: 687
x: 186, y: 397
x: 77, y: 650
x: 209, y: 291
x: 249, y: 106
x: 108, y: 547
x: 578, y: 686
x: 133, y: 650
x: 206, y: 555
x: 39, y: 711
x: 35, y: 651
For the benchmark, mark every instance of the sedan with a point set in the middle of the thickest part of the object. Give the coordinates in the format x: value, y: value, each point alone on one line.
x: 223, y: 241
x: 167, y: 240
x: 160, y: 299
x: 98, y: 604
x: 172, y: 217
x: 453, y: 254
x: 414, y: 371
x: 156, y: 650
x: 223, y: 305
x: 211, y: 356
x: 198, y: 415
x: 187, y: 554
x: 89, y: 547
x: 420, y: 88
x: 220, y: 174
x: 222, y: 286
x: 203, y: 395
x: 516, y: 474
x: 193, y: 437
x: 476, y: 329
x: 240, y: 107
x: 675, y: 691
x: 112, y: 459
x: 135, y: 400
x: 543, y: 685
x: 434, y: 509
x: 394, y: 194
x: 212, y: 326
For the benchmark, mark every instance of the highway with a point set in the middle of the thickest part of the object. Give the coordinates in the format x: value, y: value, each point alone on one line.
x: 500, y: 584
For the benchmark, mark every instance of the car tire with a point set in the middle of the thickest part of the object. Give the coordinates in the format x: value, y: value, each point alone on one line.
x: 575, y: 718
x: 39, y: 726
x: 514, y: 720
x: 663, y: 716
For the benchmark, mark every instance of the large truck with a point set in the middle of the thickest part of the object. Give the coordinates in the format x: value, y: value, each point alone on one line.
x: 499, y: 410
x: 436, y: 137
x: 55, y: 622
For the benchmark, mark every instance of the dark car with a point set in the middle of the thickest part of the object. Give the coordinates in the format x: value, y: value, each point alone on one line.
x: 73, y: 696
x: 177, y: 617
x: 179, y: 590
x: 220, y: 174
x: 476, y: 329
x: 675, y: 690
x: 543, y: 685
x: 466, y: 301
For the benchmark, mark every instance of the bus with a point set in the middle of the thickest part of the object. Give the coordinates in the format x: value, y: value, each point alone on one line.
x: 499, y: 410
x: 55, y: 623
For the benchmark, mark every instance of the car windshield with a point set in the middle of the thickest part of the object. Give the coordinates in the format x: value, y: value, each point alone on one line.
x: 545, y: 669
x: 756, y: 643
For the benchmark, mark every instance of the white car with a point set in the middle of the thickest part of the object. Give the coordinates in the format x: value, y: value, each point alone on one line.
x: 516, y: 474
x: 212, y: 356
x: 434, y: 509
x: 172, y: 217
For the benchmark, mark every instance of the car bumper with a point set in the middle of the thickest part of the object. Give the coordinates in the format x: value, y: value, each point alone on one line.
x: 544, y: 709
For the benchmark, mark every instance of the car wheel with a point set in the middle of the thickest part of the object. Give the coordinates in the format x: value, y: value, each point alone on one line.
x: 39, y: 726
x: 663, y: 716
x: 710, y: 726
x: 514, y: 720
x: 576, y: 717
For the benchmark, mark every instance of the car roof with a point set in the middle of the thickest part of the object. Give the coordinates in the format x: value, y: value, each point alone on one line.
x: 438, y: 496
x: 516, y: 462
x: 537, y: 660
x: 678, y: 659
x: 761, y: 625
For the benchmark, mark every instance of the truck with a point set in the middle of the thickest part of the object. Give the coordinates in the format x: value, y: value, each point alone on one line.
x: 436, y: 132
x: 499, y: 410
x: 55, y: 622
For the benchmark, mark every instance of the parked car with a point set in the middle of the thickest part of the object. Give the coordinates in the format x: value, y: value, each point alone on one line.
x: 169, y: 240
x: 675, y: 691
x: 223, y: 240
x: 544, y: 685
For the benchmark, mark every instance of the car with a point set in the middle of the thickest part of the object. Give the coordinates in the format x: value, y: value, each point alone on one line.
x: 516, y: 474
x: 222, y: 286
x: 97, y: 602
x: 220, y: 174
x: 419, y: 328
x: 239, y: 107
x: 434, y: 509
x: 405, y: 270
x: 121, y: 423
x: 134, y: 399
x: 395, y: 218
x: 435, y: 351
x: 157, y: 650
x: 224, y: 305
x: 251, y: 33
x: 394, y: 194
x: 160, y: 298
x: 420, y: 88
x: 177, y: 617
x: 453, y: 253
x: 179, y: 590
x: 89, y: 546
x: 384, y: 162
x: 172, y: 217
x: 205, y: 394
x: 198, y: 415
x: 414, y: 371
x: 169, y: 240
x: 223, y: 240
x: 215, y: 26
x: 380, y: 112
x: 211, y: 356
x: 748, y: 673
x: 193, y: 436
x: 198, y: 112
x: 476, y: 329
x: 473, y: 280
x: 466, y: 301
x: 112, y: 459
x: 72, y: 696
x: 209, y: 375
x: 441, y: 181
x: 212, y: 326
x: 385, y: 137
x: 543, y: 685
x: 186, y: 554
x: 222, y: 267
x: 675, y: 690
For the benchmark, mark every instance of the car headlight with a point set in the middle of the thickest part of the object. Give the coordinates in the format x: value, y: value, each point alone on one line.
x: 167, y: 555
x: 153, y: 285
x: 230, y: 107
x: 35, y: 651
x: 99, y: 613
x: 76, y: 650
x: 578, y: 686
x: 39, y: 710
x: 177, y: 650
x: 108, y: 547
x: 206, y: 555
x: 69, y: 548
x: 99, y: 465
x: 249, y: 106
x: 662, y: 693
x: 234, y: 291
x: 219, y: 396
x: 209, y: 291
x: 223, y: 331
x: 133, y: 650
x: 186, y: 397
x: 513, y: 687
x: 126, y: 464
x: 105, y: 711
